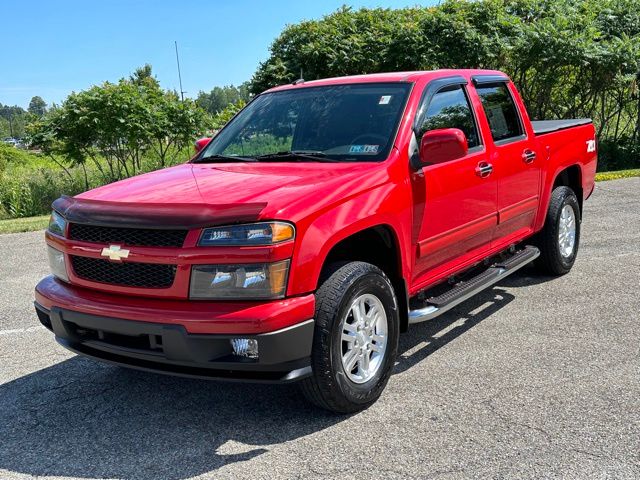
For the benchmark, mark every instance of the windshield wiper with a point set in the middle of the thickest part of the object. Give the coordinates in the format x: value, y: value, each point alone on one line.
x: 296, y: 155
x: 224, y: 158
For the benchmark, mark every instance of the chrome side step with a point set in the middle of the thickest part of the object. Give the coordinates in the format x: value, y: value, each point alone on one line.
x: 435, y: 306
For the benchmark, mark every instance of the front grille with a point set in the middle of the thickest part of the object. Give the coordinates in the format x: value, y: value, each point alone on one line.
x: 145, y: 275
x: 141, y: 237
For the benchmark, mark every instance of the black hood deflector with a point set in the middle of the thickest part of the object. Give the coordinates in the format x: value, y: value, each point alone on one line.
x: 155, y: 215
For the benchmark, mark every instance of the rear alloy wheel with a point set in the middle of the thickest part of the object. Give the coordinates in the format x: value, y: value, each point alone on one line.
x: 356, y: 338
x: 559, y: 239
x: 567, y: 231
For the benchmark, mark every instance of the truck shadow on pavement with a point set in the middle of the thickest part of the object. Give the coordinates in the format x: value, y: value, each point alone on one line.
x: 84, y: 419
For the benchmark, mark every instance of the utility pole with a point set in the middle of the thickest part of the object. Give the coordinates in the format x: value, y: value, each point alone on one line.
x: 11, y: 124
x: 182, y: 92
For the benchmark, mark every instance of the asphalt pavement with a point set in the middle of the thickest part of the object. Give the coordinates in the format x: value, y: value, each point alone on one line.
x: 534, y: 378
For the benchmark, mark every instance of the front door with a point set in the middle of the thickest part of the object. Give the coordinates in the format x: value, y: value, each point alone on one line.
x: 454, y: 202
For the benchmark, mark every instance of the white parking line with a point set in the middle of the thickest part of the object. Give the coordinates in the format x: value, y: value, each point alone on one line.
x: 21, y: 330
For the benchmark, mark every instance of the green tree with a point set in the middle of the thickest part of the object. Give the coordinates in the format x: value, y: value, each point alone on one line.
x: 114, y: 125
x: 37, y: 106
x: 569, y: 58
x: 220, y: 97
x: 223, y: 117
x: 15, y: 118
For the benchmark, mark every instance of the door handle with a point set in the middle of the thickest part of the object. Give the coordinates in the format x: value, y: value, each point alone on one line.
x: 484, y: 169
x: 528, y: 156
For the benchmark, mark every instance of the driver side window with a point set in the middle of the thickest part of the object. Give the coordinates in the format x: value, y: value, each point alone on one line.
x: 449, y: 108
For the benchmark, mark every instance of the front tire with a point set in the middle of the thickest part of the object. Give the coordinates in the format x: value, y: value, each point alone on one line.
x: 559, y: 239
x: 356, y: 338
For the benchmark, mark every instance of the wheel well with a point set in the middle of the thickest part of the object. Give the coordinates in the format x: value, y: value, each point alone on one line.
x: 571, y: 177
x: 377, y: 246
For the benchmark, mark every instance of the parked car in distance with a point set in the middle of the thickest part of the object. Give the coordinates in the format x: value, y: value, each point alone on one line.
x: 322, y: 221
x: 14, y: 142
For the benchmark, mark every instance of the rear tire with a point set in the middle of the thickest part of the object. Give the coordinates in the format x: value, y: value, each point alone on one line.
x: 356, y: 338
x: 559, y: 239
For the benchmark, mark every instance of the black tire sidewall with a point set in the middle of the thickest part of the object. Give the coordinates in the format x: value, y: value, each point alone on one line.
x: 567, y: 197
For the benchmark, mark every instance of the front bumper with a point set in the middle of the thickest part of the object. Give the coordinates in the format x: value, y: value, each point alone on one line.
x: 283, y: 355
x: 180, y: 337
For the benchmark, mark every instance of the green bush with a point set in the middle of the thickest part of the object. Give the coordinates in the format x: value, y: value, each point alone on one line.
x: 9, y: 154
x: 32, y: 194
x: 30, y: 182
x: 618, y: 154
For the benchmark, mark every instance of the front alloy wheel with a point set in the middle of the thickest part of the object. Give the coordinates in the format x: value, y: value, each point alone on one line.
x: 364, y: 338
x: 356, y: 338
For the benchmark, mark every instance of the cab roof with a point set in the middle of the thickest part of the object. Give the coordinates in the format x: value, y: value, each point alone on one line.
x: 411, y: 77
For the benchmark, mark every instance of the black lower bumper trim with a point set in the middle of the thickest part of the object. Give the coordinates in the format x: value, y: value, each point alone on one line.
x: 283, y: 356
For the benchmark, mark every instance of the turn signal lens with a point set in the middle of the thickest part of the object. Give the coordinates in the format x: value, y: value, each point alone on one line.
x: 281, y: 232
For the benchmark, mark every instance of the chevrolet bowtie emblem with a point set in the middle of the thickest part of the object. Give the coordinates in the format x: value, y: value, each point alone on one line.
x: 115, y: 253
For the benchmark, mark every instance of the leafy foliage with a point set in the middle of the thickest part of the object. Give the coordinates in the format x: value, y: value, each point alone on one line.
x: 33, y: 192
x: 37, y: 106
x: 222, y: 118
x: 13, y: 120
x: 569, y: 58
x: 220, y: 98
x: 114, y: 125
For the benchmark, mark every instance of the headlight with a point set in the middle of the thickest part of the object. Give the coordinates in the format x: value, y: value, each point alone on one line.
x: 239, y: 282
x: 57, y: 224
x: 264, y: 233
x: 57, y: 263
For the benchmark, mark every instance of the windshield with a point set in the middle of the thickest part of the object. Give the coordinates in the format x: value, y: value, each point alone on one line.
x: 354, y: 122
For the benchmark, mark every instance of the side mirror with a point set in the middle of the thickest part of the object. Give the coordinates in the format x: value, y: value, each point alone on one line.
x: 442, y: 145
x: 201, y: 143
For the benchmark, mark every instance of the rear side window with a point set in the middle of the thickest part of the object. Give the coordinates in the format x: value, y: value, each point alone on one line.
x: 449, y: 108
x: 501, y: 111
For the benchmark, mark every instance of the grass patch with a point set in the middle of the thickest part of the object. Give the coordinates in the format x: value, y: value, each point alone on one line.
x: 604, y: 176
x: 30, y: 224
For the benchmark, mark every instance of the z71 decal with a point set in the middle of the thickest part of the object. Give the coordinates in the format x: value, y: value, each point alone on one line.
x: 591, y: 146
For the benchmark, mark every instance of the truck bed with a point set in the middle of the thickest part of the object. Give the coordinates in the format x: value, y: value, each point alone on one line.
x: 540, y: 127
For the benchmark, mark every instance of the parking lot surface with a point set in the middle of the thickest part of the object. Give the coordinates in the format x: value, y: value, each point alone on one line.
x: 534, y: 378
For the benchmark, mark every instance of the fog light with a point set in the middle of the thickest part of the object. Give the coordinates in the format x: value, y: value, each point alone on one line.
x: 57, y: 263
x: 245, y: 347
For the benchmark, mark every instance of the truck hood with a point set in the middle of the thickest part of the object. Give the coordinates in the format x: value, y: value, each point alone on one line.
x: 264, y: 190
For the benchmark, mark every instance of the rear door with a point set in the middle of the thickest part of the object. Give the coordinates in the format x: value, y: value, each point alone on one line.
x: 516, y: 163
x: 454, y: 203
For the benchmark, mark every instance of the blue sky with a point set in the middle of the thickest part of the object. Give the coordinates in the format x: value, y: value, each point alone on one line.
x: 52, y: 48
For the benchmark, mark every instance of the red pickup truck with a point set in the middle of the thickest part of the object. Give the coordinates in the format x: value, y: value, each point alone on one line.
x: 319, y: 223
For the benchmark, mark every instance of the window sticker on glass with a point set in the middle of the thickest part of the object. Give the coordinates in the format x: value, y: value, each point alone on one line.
x: 384, y: 100
x: 364, y: 149
x: 498, y: 122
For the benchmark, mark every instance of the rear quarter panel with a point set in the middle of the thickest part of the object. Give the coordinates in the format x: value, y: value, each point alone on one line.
x: 561, y: 150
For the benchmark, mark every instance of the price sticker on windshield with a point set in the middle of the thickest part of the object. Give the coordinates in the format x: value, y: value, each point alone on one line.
x: 384, y: 100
